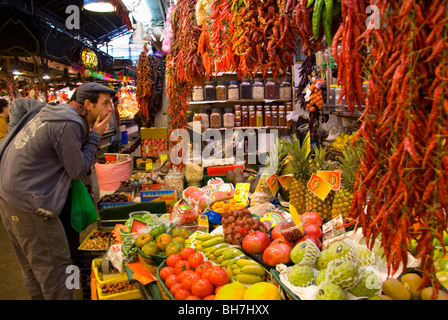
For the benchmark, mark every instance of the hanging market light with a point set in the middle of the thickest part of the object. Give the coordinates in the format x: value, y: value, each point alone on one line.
x: 16, y: 69
x: 99, y: 5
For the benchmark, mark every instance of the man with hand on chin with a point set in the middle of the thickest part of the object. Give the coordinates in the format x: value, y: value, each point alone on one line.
x: 37, y: 167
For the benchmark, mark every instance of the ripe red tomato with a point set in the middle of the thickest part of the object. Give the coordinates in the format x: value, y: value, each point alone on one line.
x: 170, y: 280
x: 171, y: 260
x: 192, y: 297
x: 186, y: 252
x: 165, y: 272
x: 209, y: 297
x: 195, y: 259
x: 175, y: 287
x: 202, y: 288
x: 206, y: 273
x: 312, y: 230
x: 181, y: 277
x: 182, y: 294
x: 201, y: 268
x: 181, y: 265
x: 218, y: 276
x: 188, y: 281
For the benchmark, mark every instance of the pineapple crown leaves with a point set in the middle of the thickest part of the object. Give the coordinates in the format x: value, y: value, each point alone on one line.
x: 299, y: 157
x: 284, y: 167
x: 320, y: 162
x: 349, y: 163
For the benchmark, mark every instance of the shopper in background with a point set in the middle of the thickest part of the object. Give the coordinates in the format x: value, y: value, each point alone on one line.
x: 4, y: 117
x: 116, y: 103
x: 36, y: 170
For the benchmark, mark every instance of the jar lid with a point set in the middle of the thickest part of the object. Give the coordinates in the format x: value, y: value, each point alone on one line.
x: 229, y: 110
x: 216, y: 110
x: 221, y: 83
x: 233, y: 82
x: 209, y: 83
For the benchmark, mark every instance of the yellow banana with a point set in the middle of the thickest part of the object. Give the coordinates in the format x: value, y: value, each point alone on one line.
x: 236, y: 271
x: 247, y: 262
x: 253, y: 269
x: 248, y: 278
x: 225, y: 263
x: 231, y: 253
x: 212, y: 242
x: 204, y: 236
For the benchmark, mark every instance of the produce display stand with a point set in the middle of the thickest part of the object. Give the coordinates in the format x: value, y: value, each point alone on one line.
x: 109, y: 217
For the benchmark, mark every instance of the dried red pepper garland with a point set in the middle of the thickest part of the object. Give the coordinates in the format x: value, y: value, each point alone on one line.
x: 144, y: 83
x: 401, y: 187
x: 183, y: 65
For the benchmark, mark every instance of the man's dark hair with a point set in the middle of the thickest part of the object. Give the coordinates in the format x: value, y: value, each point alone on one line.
x: 114, y: 99
x: 93, y: 99
x: 3, y: 104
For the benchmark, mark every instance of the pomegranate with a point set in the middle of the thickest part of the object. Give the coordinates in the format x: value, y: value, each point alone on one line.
x: 314, y: 239
x: 282, y: 239
x: 276, y: 254
x: 275, y: 232
x: 312, y: 230
x: 312, y: 217
x: 256, y: 242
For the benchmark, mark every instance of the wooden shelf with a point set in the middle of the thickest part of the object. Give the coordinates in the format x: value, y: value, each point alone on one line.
x: 240, y: 101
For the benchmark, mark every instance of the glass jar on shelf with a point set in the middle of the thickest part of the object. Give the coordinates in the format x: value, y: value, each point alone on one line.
x: 198, y: 93
x: 221, y: 91
x: 205, y: 117
x: 259, y: 116
x: 174, y: 180
x: 194, y: 174
x: 274, y: 115
x: 252, y: 117
x: 246, y: 90
x: 285, y: 92
x: 233, y: 91
x: 210, y: 91
x: 267, y: 116
x: 229, y: 118
x: 216, y: 119
x: 288, y: 114
x: 258, y: 90
x: 270, y: 89
x: 244, y: 116
x: 238, y: 121
x: 281, y: 119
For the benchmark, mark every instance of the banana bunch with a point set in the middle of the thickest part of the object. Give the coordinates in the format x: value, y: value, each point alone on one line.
x: 240, y: 266
x: 247, y: 271
x: 204, y: 242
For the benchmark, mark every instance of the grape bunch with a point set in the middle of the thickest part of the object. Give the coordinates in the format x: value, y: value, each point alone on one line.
x: 238, y: 223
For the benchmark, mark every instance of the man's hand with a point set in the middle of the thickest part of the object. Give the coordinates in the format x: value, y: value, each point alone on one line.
x: 100, y: 126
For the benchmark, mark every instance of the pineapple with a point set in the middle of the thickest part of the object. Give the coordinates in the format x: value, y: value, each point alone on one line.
x: 299, y: 165
x: 348, y: 167
x: 314, y: 203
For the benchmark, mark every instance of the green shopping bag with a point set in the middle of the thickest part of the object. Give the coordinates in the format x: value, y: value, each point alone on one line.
x: 83, y: 209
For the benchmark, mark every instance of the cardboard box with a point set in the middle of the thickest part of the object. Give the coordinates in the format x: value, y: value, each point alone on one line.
x: 154, y: 141
x: 169, y: 196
